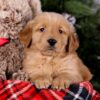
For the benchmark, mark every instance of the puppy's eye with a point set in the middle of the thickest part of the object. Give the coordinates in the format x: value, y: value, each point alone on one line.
x: 42, y: 29
x: 60, y: 31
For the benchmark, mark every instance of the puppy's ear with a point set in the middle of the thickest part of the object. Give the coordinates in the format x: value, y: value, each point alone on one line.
x: 25, y: 35
x: 73, y: 42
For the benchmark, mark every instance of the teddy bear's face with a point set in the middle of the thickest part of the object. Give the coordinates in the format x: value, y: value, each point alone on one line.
x: 14, y: 15
x: 10, y: 22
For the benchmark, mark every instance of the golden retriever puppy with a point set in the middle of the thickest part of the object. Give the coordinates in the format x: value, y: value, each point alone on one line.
x: 51, y: 57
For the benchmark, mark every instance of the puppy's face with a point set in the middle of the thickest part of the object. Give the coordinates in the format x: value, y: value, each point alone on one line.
x: 52, y: 34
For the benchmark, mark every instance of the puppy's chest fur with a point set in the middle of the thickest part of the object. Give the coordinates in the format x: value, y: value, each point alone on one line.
x: 35, y: 64
x: 37, y: 61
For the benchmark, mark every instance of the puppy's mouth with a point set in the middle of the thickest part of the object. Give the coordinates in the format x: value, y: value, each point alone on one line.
x: 49, y: 51
x: 51, y: 48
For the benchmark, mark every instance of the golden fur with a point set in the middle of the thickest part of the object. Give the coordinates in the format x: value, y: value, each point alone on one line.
x: 59, y: 66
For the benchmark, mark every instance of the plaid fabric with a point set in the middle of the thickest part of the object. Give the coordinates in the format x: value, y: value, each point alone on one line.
x: 19, y: 90
x: 96, y: 97
x: 3, y: 41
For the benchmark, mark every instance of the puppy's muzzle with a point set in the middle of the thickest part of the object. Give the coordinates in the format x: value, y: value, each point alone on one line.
x: 52, y: 42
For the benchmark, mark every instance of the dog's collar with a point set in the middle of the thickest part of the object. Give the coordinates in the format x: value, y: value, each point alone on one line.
x: 3, y: 41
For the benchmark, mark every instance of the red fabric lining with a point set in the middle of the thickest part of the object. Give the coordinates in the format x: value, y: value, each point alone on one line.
x: 3, y: 41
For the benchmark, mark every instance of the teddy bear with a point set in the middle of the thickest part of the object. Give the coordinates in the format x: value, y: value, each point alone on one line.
x: 14, y: 15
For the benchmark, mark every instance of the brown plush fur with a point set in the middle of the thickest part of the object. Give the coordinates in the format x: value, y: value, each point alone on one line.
x: 58, y: 65
x: 14, y: 14
x: 11, y: 56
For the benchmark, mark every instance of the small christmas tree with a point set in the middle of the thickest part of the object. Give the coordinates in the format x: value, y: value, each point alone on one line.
x: 88, y: 30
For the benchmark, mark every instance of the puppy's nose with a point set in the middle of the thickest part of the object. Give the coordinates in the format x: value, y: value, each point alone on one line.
x: 52, y: 42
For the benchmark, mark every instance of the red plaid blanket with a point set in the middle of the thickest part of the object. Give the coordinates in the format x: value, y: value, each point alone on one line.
x: 19, y: 90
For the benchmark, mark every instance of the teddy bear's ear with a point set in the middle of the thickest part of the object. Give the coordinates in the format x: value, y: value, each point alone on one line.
x: 36, y: 7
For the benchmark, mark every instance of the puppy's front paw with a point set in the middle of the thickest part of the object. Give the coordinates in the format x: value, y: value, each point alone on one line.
x: 42, y: 82
x: 20, y: 75
x: 60, y: 83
